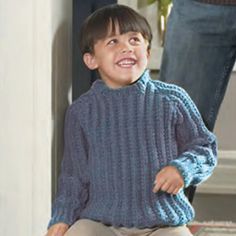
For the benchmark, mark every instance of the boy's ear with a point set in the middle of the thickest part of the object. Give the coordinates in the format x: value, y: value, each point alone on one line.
x: 148, y: 53
x: 90, y: 61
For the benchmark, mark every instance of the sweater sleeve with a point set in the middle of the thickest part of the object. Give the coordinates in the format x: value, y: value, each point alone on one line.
x: 197, y: 147
x: 73, y: 180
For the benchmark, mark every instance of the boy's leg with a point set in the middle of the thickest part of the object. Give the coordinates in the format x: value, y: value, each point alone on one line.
x: 173, y: 231
x: 85, y: 227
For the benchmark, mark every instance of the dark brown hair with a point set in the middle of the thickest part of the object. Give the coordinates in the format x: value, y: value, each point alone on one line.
x: 96, y: 26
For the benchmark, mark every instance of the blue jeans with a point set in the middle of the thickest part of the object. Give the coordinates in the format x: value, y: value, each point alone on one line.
x: 199, y: 53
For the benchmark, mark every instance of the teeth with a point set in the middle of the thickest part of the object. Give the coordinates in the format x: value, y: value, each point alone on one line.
x: 126, y: 62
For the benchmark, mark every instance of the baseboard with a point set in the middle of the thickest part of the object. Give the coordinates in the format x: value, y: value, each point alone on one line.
x: 223, y: 180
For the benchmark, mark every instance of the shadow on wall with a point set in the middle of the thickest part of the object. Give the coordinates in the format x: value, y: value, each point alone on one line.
x: 61, y: 84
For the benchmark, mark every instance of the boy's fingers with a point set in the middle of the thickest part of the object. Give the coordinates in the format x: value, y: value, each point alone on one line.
x: 171, y: 190
x: 165, y: 186
x: 158, y: 185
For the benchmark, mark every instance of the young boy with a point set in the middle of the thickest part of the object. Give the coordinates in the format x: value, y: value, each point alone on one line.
x: 131, y: 144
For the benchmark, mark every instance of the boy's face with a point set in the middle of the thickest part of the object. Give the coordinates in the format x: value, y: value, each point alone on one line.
x: 120, y: 58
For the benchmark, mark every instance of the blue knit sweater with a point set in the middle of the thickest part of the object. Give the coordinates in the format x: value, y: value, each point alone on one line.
x: 116, y: 140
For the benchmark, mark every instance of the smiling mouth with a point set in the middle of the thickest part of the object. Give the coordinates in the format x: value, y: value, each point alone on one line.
x: 126, y: 62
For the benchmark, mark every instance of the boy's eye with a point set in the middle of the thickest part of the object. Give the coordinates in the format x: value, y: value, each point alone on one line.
x: 135, y: 40
x: 112, y: 41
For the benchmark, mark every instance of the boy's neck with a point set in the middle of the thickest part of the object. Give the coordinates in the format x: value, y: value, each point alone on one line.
x: 118, y: 86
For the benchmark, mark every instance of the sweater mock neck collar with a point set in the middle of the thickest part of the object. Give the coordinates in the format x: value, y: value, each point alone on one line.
x: 100, y: 86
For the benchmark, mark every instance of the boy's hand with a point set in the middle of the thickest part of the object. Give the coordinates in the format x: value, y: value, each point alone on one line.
x: 58, y: 229
x: 168, y: 180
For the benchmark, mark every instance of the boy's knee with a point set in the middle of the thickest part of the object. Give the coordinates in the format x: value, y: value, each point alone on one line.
x: 79, y: 228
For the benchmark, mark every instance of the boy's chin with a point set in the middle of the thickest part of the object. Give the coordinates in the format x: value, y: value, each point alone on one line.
x: 130, y: 75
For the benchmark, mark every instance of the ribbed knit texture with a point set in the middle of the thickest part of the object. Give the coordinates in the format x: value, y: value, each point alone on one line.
x: 219, y: 2
x: 116, y: 141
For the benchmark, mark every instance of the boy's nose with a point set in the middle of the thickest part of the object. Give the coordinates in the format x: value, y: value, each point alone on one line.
x: 126, y: 48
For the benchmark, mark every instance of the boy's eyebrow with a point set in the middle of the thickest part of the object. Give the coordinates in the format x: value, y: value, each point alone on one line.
x: 109, y: 37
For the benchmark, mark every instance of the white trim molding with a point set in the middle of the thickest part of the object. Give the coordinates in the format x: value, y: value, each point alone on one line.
x: 223, y: 180
x: 156, y: 58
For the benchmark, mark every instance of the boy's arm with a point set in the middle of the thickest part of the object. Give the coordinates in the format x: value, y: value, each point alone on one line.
x: 73, y: 182
x: 197, y: 146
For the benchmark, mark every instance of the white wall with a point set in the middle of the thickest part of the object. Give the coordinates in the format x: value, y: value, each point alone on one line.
x: 61, y: 77
x: 28, y: 66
